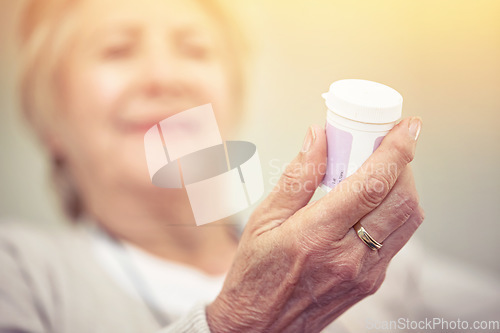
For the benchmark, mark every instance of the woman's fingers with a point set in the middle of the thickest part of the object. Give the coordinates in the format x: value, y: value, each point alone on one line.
x: 365, y: 190
x: 395, y: 210
x: 400, y: 237
x: 297, y: 183
x: 304, y: 273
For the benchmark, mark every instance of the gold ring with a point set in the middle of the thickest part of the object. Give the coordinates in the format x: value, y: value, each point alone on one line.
x: 366, y: 238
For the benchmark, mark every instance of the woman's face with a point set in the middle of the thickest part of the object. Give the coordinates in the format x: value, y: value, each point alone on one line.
x: 133, y: 63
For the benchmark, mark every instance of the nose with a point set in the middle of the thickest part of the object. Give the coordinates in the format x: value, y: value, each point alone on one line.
x: 161, y: 72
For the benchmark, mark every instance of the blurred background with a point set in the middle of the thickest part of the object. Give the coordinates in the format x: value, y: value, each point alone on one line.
x: 442, y: 56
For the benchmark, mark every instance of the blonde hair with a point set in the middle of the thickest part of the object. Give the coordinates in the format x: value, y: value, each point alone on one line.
x: 45, y: 30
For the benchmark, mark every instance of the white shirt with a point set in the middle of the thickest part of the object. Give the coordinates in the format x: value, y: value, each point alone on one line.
x: 417, y: 286
x: 171, y: 287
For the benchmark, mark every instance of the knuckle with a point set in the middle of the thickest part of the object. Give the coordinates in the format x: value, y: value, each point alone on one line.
x: 412, y: 201
x: 378, y: 283
x: 377, y: 187
x: 367, y: 287
x: 409, y: 202
x: 371, y: 284
x: 348, y: 271
x: 404, y: 151
x: 291, y: 178
x: 417, y: 218
x: 420, y: 215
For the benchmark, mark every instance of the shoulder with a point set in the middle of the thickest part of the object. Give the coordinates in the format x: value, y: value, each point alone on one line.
x: 29, y: 249
x: 51, y: 279
x: 19, y: 237
x: 15, y: 231
x: 32, y: 260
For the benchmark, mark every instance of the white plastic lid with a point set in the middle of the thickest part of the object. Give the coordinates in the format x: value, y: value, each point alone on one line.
x: 364, y: 101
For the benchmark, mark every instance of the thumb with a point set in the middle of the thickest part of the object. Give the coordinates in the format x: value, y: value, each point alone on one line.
x: 298, y: 182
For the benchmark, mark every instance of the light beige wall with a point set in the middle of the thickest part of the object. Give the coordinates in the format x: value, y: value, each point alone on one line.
x: 24, y: 187
x: 443, y: 56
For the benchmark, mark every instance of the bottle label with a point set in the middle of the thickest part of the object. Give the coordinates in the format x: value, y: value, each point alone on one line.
x: 339, y: 146
x: 378, y: 141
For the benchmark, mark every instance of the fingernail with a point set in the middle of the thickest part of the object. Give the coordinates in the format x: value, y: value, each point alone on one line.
x: 414, y: 127
x: 308, y: 140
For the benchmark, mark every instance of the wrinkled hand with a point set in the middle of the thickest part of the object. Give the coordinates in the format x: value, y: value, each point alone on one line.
x: 299, y: 266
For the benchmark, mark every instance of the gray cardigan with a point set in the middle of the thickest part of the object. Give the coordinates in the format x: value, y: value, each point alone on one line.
x: 50, y: 282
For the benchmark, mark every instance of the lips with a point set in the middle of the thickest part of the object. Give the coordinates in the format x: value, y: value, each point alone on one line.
x: 141, y: 121
x: 184, y: 126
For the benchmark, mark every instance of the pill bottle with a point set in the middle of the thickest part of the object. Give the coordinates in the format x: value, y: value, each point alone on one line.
x: 360, y: 113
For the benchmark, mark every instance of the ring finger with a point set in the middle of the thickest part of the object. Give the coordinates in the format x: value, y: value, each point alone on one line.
x: 395, y: 210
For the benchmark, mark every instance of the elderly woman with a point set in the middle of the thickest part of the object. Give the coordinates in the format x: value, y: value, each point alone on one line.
x: 97, y: 75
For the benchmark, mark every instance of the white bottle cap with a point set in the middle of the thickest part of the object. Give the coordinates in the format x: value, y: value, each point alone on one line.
x: 364, y: 101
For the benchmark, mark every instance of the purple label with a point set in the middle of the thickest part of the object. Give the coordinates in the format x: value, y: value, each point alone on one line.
x: 378, y: 141
x: 339, y: 145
